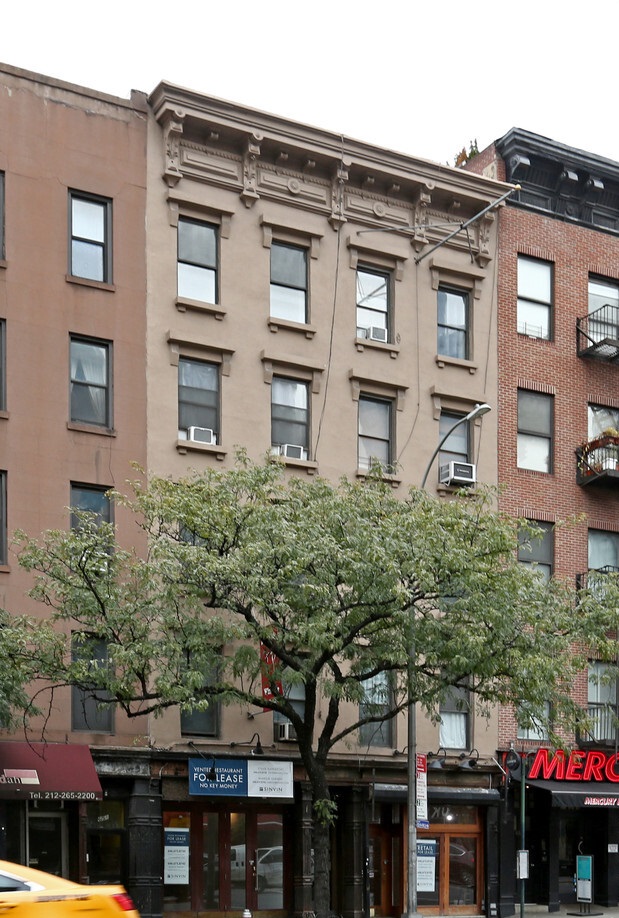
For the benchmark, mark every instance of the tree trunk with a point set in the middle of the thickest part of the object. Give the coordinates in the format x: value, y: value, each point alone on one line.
x: 322, y: 869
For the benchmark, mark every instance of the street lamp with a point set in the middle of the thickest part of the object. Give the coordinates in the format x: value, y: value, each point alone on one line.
x: 477, y: 412
x: 411, y: 794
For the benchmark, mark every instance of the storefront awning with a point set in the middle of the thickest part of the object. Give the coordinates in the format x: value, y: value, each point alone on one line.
x: 462, y: 795
x: 47, y: 771
x: 572, y: 795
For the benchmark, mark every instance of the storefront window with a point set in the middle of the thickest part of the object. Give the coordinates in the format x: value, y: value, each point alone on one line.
x: 105, y: 829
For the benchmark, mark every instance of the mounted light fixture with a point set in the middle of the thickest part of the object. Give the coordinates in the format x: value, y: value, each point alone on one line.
x: 211, y: 773
x: 469, y: 760
x: 438, y: 758
x: 257, y: 750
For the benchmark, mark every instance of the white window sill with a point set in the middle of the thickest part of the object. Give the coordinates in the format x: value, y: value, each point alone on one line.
x: 285, y: 324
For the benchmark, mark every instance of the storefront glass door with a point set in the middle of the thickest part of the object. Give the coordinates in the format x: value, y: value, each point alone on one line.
x: 47, y: 842
x: 224, y: 861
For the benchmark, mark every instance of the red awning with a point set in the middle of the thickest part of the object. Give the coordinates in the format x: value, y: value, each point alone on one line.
x: 47, y: 771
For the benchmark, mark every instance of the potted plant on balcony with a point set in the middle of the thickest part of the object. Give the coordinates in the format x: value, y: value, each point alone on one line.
x: 601, y: 453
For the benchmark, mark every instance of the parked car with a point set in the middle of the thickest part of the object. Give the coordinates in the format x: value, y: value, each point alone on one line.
x: 270, y: 867
x: 29, y: 893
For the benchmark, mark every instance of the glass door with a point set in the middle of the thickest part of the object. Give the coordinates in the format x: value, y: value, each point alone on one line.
x: 47, y: 842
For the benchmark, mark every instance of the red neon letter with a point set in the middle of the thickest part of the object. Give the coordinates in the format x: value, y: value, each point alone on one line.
x: 594, y: 766
x: 611, y: 768
x: 556, y: 764
x: 574, y: 766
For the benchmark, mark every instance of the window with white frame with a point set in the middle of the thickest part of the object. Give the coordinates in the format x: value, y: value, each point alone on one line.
x: 601, y: 418
x: 197, y: 260
x: 536, y: 549
x: 453, y: 322
x: 535, y: 283
x: 532, y: 727
x: 454, y: 719
x: 603, y: 550
x: 375, y: 437
x: 290, y: 417
x: 198, y: 400
x: 377, y: 702
x: 373, y: 304
x: 535, y: 426
x: 89, y: 710
x: 603, y: 309
x: 90, y: 390
x: 289, y: 284
x: 602, y: 700
x: 91, y: 237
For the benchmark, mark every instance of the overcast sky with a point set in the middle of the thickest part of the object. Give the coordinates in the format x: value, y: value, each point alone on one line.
x: 420, y: 78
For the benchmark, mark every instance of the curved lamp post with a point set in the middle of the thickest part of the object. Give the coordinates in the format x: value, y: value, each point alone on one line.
x: 411, y: 797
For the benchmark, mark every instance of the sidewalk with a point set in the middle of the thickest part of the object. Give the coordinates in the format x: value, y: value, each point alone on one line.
x: 536, y: 911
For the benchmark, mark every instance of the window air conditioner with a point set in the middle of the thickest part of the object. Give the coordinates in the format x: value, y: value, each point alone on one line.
x: 458, y: 473
x: 377, y: 334
x: 292, y: 451
x: 202, y: 435
x: 285, y: 732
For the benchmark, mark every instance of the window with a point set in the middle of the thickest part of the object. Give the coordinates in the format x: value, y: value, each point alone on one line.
x: 1, y: 216
x: 86, y: 712
x: 535, y: 728
x: 534, y: 297
x: 4, y: 558
x: 290, y: 417
x: 454, y: 719
x: 602, y: 700
x: 288, y: 282
x: 537, y: 549
x: 600, y: 419
x: 2, y: 365
x: 603, y: 309
x: 603, y: 550
x: 373, y: 304
x: 295, y: 693
x: 91, y: 256
x: 456, y: 447
x: 377, y: 702
x: 90, y: 382
x: 375, y: 432
x: 202, y: 723
x: 91, y: 499
x: 198, y: 400
x: 453, y: 322
x: 535, y: 423
x: 197, y: 260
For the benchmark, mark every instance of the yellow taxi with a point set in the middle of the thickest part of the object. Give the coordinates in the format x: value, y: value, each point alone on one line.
x: 28, y: 893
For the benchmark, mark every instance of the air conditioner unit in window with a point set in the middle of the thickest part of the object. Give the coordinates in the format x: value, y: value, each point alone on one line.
x: 376, y: 333
x: 292, y: 451
x: 202, y: 435
x: 458, y: 473
x: 285, y: 733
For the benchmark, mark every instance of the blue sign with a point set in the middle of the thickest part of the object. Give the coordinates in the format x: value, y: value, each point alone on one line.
x: 230, y: 778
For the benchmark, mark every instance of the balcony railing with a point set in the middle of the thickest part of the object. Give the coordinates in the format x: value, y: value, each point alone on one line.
x: 602, y: 724
x: 594, y: 578
x: 597, y: 462
x: 597, y: 334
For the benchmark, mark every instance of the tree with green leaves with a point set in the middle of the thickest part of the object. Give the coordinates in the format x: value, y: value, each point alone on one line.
x: 337, y: 581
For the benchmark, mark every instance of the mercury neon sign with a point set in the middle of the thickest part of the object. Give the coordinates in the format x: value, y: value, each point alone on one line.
x: 594, y: 765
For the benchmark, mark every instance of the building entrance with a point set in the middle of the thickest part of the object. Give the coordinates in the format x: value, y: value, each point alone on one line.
x: 221, y: 860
